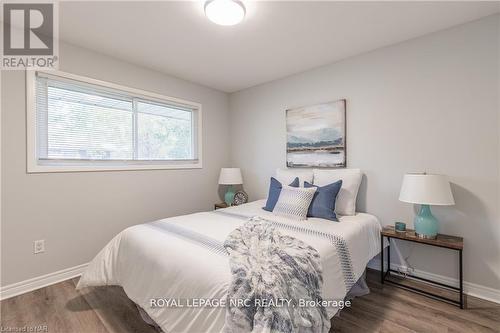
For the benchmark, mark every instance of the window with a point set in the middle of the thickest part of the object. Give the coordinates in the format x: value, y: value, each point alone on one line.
x: 81, y: 124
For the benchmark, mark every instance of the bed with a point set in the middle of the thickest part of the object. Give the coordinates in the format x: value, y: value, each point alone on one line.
x: 168, y: 266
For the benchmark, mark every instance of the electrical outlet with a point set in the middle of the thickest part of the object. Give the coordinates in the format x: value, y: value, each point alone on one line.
x: 39, y: 246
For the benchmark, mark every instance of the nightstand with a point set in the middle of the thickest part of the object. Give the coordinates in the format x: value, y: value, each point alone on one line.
x: 443, y: 241
x: 220, y: 205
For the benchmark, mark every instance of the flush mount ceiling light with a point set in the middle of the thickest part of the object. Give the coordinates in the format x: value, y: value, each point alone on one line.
x: 225, y: 12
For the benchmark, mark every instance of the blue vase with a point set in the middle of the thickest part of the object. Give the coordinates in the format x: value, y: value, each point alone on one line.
x: 229, y: 196
x: 426, y: 225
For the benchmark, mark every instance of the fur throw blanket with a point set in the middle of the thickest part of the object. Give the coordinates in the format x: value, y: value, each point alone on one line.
x: 271, y: 274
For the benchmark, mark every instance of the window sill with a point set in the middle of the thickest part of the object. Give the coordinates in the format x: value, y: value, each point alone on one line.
x: 109, y: 166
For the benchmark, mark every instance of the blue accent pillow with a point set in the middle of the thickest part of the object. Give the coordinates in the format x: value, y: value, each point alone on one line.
x: 274, y: 192
x: 323, y: 203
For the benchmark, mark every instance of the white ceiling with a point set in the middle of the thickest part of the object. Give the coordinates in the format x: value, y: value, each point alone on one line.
x: 275, y: 40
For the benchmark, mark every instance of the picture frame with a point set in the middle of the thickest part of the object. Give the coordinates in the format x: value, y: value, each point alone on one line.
x: 316, y: 135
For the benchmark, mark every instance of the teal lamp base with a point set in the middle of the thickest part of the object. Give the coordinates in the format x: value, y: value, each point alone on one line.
x: 426, y: 225
x: 229, y: 196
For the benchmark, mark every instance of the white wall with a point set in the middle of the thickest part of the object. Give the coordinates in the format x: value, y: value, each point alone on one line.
x: 426, y: 104
x: 78, y: 213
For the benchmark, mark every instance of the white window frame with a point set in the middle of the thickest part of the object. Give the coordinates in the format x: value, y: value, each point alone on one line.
x: 34, y: 165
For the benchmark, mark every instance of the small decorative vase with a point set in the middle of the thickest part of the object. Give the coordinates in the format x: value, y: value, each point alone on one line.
x: 400, y: 227
x: 426, y: 225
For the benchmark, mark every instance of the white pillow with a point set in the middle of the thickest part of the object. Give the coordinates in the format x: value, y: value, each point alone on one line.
x: 294, y: 202
x: 286, y: 176
x: 351, y: 179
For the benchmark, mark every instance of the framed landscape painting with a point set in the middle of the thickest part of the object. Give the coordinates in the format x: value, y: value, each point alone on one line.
x: 316, y: 135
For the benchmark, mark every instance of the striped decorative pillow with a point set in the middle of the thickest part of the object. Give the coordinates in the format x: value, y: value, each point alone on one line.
x: 294, y: 202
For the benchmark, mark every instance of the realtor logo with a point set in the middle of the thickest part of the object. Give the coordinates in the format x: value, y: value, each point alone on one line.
x: 37, y: 23
x: 29, y: 35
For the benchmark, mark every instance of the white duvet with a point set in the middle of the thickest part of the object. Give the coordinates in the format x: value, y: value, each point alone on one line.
x: 150, y: 262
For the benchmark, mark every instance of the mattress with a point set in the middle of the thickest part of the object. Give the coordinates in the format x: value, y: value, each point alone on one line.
x: 175, y: 271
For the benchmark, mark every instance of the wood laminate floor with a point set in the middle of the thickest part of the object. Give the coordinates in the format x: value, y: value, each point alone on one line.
x: 108, y: 310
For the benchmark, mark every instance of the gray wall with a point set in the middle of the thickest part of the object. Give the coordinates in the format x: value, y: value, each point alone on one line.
x: 78, y: 213
x: 426, y: 104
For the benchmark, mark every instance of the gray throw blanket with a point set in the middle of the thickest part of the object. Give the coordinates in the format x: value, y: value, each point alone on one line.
x: 268, y: 266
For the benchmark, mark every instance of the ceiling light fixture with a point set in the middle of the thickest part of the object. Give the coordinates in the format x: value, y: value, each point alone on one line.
x: 225, y: 12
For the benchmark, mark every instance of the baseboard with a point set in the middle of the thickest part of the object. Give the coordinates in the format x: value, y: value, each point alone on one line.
x: 471, y: 289
x: 25, y: 286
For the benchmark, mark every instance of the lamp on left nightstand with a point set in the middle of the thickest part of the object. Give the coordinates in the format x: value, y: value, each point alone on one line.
x: 230, y: 176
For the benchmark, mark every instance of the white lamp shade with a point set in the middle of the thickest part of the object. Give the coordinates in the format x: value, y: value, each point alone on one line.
x: 426, y: 189
x: 230, y: 176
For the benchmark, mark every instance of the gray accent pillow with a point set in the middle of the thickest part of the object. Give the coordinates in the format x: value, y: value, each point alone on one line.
x: 294, y: 202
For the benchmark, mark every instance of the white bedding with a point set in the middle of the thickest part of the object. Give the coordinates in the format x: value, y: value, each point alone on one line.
x: 151, y: 262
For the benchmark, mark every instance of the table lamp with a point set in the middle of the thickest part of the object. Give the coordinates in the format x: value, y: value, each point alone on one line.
x: 425, y: 189
x: 230, y: 176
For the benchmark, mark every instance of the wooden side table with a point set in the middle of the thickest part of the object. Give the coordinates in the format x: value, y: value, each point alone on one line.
x: 443, y: 241
x: 220, y: 205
